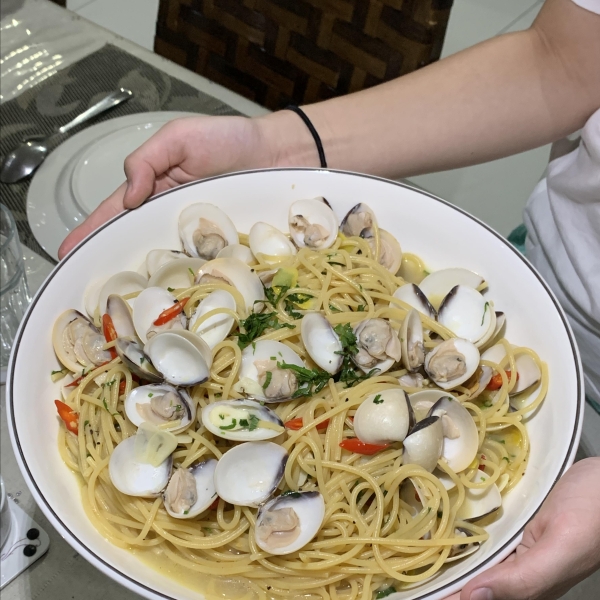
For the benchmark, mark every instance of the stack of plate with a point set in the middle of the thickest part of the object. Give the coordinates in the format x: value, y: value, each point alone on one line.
x: 83, y: 171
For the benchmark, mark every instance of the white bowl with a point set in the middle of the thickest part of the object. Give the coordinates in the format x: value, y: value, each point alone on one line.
x: 443, y: 235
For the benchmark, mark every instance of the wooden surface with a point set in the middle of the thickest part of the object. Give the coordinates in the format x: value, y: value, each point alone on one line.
x: 278, y: 52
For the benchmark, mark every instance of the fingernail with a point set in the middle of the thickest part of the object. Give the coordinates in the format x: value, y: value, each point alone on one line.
x: 482, y: 594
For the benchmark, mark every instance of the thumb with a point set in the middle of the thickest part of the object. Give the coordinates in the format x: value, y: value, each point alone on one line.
x: 534, y: 573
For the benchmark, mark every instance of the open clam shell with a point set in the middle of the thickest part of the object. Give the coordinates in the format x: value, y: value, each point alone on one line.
x: 289, y: 522
x: 479, y: 503
x: 412, y: 295
x: 146, y: 309
x: 122, y: 284
x: 249, y: 473
x: 191, y: 491
x: 205, y: 229
x: 422, y: 401
x: 437, y: 284
x: 133, y: 355
x: 216, y: 328
x: 462, y: 550
x: 242, y: 420
x: 133, y: 477
x: 358, y: 221
x: 461, y: 438
x: 390, y: 252
x: 238, y: 251
x: 181, y: 357
x: 384, y: 417
x: 423, y: 446
x: 312, y: 224
x: 411, y: 339
x: 378, y: 345
x: 77, y: 342
x: 176, y: 274
x: 162, y: 405
x: 121, y: 316
x: 452, y: 362
x: 269, y: 243
x: 321, y: 342
x: 529, y: 373
x: 157, y: 258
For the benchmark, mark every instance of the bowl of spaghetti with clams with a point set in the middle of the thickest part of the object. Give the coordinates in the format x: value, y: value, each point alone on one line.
x: 294, y: 384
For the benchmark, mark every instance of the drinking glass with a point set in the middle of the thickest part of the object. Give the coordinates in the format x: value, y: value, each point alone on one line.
x: 14, y: 292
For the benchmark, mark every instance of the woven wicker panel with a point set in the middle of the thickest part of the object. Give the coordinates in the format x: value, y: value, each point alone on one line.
x: 278, y: 52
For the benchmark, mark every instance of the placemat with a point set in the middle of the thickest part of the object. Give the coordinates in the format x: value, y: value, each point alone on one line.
x: 46, y: 107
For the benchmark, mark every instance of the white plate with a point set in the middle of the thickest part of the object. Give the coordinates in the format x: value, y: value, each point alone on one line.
x: 83, y: 171
x: 439, y: 232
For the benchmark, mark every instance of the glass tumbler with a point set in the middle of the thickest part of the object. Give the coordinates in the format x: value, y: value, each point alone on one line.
x: 14, y: 293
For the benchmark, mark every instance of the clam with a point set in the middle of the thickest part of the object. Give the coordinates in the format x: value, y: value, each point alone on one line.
x: 157, y: 258
x: 461, y: 438
x: 216, y: 328
x: 480, y: 502
x: 191, y: 491
x: 233, y: 272
x: 412, y: 295
x: 269, y: 243
x: 312, y: 224
x: 135, y: 477
x: 359, y: 221
x: 162, y: 405
x: 390, y: 253
x: 321, y: 342
x: 462, y: 550
x: 238, y: 251
x: 412, y: 380
x: 452, y: 362
x: 147, y: 308
x: 411, y: 339
x: 384, y: 417
x: 249, y: 473
x: 289, y: 522
x: 467, y: 314
x: 262, y: 378
x: 241, y: 420
x: 205, y: 230
x: 437, y: 284
x: 423, y: 445
x: 181, y: 357
x: 77, y: 342
x: 176, y: 274
x: 119, y: 312
x: 527, y: 369
x: 378, y: 345
x: 131, y: 352
x: 90, y: 297
x: 421, y: 402
x: 122, y: 284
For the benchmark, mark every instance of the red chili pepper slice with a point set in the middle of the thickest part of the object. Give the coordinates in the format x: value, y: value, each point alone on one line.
x: 110, y: 333
x: 297, y: 424
x: 122, y: 386
x: 355, y: 445
x: 69, y: 417
x: 214, y: 505
x: 171, y: 312
x: 496, y: 381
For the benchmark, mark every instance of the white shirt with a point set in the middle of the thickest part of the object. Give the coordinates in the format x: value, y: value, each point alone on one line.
x: 563, y: 242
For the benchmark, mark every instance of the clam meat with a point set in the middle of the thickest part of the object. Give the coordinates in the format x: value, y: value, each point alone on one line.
x: 452, y: 362
x: 191, y: 491
x: 378, y: 345
x: 312, y: 224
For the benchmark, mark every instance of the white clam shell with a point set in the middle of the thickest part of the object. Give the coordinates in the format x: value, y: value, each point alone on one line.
x: 390, y: 252
x: 412, y: 295
x: 411, y: 336
x: 205, y: 489
x: 249, y: 473
x: 310, y: 509
x: 157, y: 258
x: 383, y: 417
x: 237, y: 274
x: 135, y: 478
x: 480, y: 502
x: 147, y: 308
x: 176, y: 274
x: 263, y: 350
x: 437, y: 284
x: 121, y: 315
x: 123, y: 283
x: 216, y: 328
x: 143, y: 395
x: 269, y: 242
x: 460, y: 450
x: 423, y: 446
x: 132, y: 354
x: 422, y: 401
x: 317, y: 212
x: 470, y: 356
x: 350, y: 223
x: 189, y: 221
x: 387, y: 363
x: 238, y: 251
x: 181, y: 357
x: 91, y: 296
x: 321, y: 342
x: 527, y: 368
x: 249, y: 407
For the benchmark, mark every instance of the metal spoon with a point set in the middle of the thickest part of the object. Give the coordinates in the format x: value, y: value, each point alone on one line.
x: 30, y: 154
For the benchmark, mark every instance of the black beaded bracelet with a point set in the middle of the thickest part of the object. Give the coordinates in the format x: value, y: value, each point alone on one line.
x: 312, y: 130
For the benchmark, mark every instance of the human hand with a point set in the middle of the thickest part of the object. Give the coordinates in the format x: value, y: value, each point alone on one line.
x: 188, y: 149
x: 560, y: 546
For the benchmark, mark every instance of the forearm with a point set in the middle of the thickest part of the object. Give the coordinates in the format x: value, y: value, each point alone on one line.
x: 503, y: 96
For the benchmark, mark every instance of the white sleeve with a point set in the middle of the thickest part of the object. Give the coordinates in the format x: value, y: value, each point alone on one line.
x: 591, y: 5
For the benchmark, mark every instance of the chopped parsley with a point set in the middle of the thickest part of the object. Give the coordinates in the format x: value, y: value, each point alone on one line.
x: 290, y: 303
x: 506, y: 459
x: 385, y: 593
x: 253, y: 421
x: 360, y: 308
x: 142, y: 359
x: 336, y: 263
x: 55, y: 372
x: 230, y: 426
x: 485, y: 309
x: 192, y: 272
x: 256, y: 324
x: 310, y: 381
x: 333, y: 308
x: 186, y: 512
x: 150, y: 395
x: 378, y: 399
x: 268, y: 377
x: 86, y: 423
x: 348, y: 375
x: 170, y: 289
